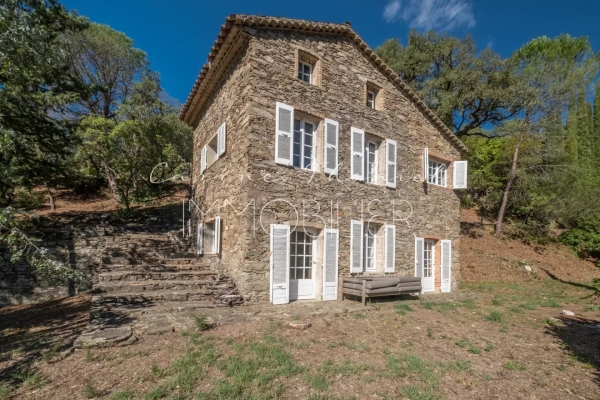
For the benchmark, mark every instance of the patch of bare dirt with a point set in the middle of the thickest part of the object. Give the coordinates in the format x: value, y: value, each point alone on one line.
x: 487, y: 258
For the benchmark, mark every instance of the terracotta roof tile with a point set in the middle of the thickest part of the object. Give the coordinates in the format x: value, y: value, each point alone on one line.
x: 314, y: 26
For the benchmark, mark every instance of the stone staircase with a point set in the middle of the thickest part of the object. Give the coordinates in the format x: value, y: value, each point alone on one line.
x: 153, y: 272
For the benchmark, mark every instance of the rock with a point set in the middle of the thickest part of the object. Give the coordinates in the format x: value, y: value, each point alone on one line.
x: 553, y: 321
x: 528, y: 268
x: 103, y: 337
x: 300, y: 325
x: 569, y: 313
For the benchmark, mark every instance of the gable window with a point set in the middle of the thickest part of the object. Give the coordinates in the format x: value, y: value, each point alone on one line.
x: 371, y: 161
x: 437, y: 173
x: 304, y: 133
x: 305, y: 71
x: 371, y: 94
x: 214, y: 149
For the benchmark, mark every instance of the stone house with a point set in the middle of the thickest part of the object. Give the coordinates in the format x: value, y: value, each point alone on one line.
x: 313, y: 160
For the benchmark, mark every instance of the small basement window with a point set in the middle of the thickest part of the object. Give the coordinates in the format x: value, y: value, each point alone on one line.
x: 308, y: 67
x: 373, y: 96
x: 371, y: 99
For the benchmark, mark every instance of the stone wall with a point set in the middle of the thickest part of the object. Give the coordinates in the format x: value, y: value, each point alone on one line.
x: 78, y: 248
x: 265, y: 73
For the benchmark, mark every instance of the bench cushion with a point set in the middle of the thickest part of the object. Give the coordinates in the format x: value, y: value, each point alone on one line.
x: 405, y: 279
x: 391, y: 290
x: 357, y: 286
x: 409, y: 289
x: 382, y: 282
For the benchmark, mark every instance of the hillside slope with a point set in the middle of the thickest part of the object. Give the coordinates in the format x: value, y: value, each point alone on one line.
x: 487, y: 258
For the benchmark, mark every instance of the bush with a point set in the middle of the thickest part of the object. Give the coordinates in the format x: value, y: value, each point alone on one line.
x: 583, y: 242
x: 28, y: 200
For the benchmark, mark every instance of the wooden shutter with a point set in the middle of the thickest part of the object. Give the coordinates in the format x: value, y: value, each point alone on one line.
x: 460, y: 175
x: 358, y: 154
x: 217, y: 236
x: 446, y: 266
x: 284, y: 134
x: 199, y: 237
x: 390, y: 249
x: 419, y: 247
x: 426, y: 165
x: 330, y: 264
x: 331, y: 147
x: 356, y: 246
x: 390, y: 166
x: 221, y: 138
x: 203, y: 160
x: 280, y: 264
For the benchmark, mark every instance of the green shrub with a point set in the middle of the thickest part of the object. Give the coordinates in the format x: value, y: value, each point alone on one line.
x: 583, y: 242
x: 494, y: 316
x: 28, y: 200
x: 202, y: 322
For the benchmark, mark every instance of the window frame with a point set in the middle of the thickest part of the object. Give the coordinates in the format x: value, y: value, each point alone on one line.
x: 374, y: 94
x: 302, y: 143
x: 309, y: 239
x: 374, y: 164
x: 370, y: 232
x: 433, y: 173
x: 301, y: 74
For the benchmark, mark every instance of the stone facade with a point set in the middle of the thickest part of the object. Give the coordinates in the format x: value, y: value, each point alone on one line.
x: 249, y: 191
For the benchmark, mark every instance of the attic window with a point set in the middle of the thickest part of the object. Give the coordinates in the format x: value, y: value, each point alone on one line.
x: 308, y: 67
x: 305, y: 71
x: 373, y: 96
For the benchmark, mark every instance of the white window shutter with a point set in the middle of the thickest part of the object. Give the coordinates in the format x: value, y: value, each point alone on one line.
x: 390, y: 166
x: 199, y: 243
x: 221, y: 138
x: 330, y: 264
x: 426, y: 165
x: 358, y: 154
x: 419, y: 247
x: 356, y: 247
x: 280, y: 264
x: 284, y: 134
x: 203, y: 160
x: 217, y: 236
x: 390, y: 249
x: 446, y: 266
x: 332, y: 129
x: 460, y: 175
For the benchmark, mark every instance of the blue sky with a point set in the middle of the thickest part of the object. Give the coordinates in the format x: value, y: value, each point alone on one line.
x: 177, y: 34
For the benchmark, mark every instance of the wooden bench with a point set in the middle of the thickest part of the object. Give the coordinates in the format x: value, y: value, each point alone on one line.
x: 379, y: 286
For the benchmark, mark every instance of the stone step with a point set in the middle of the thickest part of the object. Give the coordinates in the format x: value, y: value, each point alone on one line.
x: 110, y: 310
x: 155, y: 274
x: 150, y: 297
x: 150, y: 285
x: 153, y: 267
x: 175, y: 258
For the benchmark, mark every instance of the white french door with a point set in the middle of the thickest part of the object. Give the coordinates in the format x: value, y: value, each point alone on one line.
x: 302, y: 265
x: 428, y: 277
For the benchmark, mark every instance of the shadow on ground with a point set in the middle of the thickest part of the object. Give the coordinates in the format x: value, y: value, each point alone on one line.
x: 44, y: 330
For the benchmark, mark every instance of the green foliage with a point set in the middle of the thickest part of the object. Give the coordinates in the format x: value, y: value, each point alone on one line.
x: 402, y: 309
x: 89, y: 390
x: 494, y: 316
x: 202, y: 322
x: 24, y: 248
x: 27, y: 200
x: 583, y: 242
x: 466, y: 87
x: 35, y: 88
x: 514, y: 366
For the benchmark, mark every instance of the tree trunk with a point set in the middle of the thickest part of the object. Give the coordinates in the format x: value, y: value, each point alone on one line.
x: 511, y: 176
x: 112, y: 183
x: 52, y: 208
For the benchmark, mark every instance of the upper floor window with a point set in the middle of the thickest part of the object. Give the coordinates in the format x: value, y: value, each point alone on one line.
x: 371, y: 148
x: 303, y: 147
x: 371, y: 94
x: 437, y: 173
x: 214, y: 149
x: 305, y: 71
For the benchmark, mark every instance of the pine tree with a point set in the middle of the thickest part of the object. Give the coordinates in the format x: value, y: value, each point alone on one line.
x: 595, y: 137
x: 571, y: 132
x: 583, y: 142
